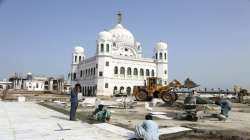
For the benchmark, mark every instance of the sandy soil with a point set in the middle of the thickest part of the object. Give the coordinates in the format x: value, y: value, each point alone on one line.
x: 235, y: 128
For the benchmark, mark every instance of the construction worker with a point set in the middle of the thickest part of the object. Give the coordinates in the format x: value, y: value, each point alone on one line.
x: 101, y: 114
x: 74, y: 101
x: 226, y: 106
x: 148, y: 130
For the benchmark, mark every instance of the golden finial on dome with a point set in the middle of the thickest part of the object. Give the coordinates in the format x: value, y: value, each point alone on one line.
x: 119, y: 17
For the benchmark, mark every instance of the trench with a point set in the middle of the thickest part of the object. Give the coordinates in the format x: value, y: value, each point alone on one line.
x: 197, y: 134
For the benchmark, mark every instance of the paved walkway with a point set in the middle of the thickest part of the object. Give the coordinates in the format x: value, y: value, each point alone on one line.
x: 29, y: 121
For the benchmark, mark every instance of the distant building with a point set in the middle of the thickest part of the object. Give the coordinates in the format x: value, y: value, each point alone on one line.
x: 38, y: 83
x: 5, y: 85
x: 118, y: 64
x: 17, y: 81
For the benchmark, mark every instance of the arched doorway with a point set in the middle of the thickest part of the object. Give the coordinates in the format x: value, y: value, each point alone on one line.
x: 88, y: 91
x: 128, y: 90
x: 121, y: 90
x: 92, y: 91
x: 115, y: 90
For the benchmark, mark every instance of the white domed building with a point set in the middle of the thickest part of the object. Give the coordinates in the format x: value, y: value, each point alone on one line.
x: 118, y: 64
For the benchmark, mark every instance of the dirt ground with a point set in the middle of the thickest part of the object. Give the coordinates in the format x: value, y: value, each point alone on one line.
x: 236, y: 127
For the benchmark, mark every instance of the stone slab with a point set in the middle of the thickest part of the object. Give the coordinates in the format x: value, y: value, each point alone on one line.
x: 30, y: 121
x: 130, y: 134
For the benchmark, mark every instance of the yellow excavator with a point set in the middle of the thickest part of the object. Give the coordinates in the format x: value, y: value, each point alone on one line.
x: 154, y: 89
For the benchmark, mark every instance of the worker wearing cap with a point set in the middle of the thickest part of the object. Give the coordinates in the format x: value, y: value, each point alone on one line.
x: 148, y: 130
x: 74, y: 101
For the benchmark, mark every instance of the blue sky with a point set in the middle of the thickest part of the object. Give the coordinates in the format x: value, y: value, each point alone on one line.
x: 209, y: 40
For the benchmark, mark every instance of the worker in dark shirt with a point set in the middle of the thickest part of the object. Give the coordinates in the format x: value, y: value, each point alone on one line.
x: 74, y: 101
x: 226, y: 106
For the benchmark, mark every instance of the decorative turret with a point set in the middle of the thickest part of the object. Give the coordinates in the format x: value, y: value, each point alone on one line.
x: 161, y: 58
x: 104, y: 43
x: 77, y: 57
x: 161, y: 50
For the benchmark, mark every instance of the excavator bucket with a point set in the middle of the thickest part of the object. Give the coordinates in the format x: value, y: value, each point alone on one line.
x: 175, y: 84
x: 190, y: 84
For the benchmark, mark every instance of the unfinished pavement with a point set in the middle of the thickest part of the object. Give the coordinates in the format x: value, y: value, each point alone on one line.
x: 237, y: 127
x: 29, y: 121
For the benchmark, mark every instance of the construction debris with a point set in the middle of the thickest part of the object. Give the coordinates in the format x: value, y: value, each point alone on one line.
x: 160, y: 115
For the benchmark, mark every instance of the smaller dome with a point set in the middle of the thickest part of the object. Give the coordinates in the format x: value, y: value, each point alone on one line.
x: 161, y: 46
x: 29, y: 73
x: 104, y: 35
x: 78, y: 49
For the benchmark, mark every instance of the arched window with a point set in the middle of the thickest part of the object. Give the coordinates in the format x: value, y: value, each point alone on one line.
x: 116, y: 70
x: 165, y: 56
x: 83, y: 92
x: 91, y: 72
x: 152, y: 73
x: 147, y: 72
x: 107, y: 47
x: 94, y: 72
x: 88, y: 72
x: 141, y: 72
x: 122, y: 70
x: 80, y: 58
x: 81, y: 73
x: 95, y: 90
x: 156, y: 55
x: 160, y: 55
x: 102, y: 48
x: 115, y: 90
x: 74, y: 77
x: 135, y: 71
x: 129, y: 71
x: 75, y: 58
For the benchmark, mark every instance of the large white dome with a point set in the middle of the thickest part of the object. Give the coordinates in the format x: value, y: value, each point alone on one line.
x: 122, y: 36
x: 104, y: 35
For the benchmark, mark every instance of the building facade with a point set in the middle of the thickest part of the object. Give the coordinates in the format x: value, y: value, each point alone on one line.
x: 118, y: 64
x: 5, y: 85
x: 32, y: 82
